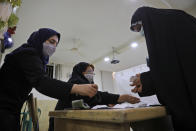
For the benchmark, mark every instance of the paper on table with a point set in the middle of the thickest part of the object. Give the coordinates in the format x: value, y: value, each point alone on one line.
x: 101, y: 107
x: 128, y: 105
x: 121, y: 106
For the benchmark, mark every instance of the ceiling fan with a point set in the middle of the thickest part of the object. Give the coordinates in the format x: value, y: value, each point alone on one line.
x: 76, y: 43
x: 75, y: 49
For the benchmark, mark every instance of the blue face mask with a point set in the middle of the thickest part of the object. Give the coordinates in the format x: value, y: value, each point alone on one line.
x: 48, y: 49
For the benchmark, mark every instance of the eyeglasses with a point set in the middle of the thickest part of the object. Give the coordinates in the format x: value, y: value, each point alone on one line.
x: 90, y: 72
x: 135, y: 24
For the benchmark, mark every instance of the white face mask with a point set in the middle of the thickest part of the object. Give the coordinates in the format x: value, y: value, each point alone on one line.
x: 48, y: 49
x: 89, y: 77
x: 142, y: 31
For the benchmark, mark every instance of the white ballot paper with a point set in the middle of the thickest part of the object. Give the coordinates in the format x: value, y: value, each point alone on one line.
x: 121, y: 106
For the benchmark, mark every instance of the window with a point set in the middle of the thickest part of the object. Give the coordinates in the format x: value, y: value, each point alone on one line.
x: 49, y: 70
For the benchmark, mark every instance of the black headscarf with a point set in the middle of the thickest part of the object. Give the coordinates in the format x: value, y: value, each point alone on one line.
x: 38, y: 37
x: 36, y: 41
x: 77, y: 77
x: 171, y: 43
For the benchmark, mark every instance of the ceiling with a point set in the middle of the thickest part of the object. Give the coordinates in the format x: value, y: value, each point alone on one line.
x: 91, y: 26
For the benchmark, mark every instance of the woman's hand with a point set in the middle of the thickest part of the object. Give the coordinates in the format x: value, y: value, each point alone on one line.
x: 137, y: 83
x: 85, y: 89
x: 128, y: 98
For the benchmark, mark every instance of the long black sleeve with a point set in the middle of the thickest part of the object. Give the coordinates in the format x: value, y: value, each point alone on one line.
x: 148, y: 88
x: 34, y: 73
x: 103, y: 98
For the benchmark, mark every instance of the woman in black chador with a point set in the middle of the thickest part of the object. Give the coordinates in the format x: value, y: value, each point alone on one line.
x: 171, y: 42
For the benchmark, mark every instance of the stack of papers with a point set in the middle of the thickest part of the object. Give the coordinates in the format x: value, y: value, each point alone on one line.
x: 121, y: 106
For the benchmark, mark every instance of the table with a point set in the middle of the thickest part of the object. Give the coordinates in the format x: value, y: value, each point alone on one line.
x: 139, y: 119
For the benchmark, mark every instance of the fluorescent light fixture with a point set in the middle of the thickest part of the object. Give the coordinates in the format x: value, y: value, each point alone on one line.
x: 134, y: 45
x: 106, y: 59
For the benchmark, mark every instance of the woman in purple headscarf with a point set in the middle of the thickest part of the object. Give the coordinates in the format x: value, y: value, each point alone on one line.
x: 24, y: 69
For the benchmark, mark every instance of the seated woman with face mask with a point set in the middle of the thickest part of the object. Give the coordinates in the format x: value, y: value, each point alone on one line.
x: 83, y: 73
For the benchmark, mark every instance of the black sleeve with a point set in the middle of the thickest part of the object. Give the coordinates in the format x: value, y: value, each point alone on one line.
x: 103, y: 98
x: 147, y: 84
x: 34, y: 73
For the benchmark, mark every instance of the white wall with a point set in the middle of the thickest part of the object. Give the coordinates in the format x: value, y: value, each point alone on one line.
x: 193, y: 12
x: 121, y: 82
x: 121, y: 78
x: 107, y: 81
x: 98, y: 79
